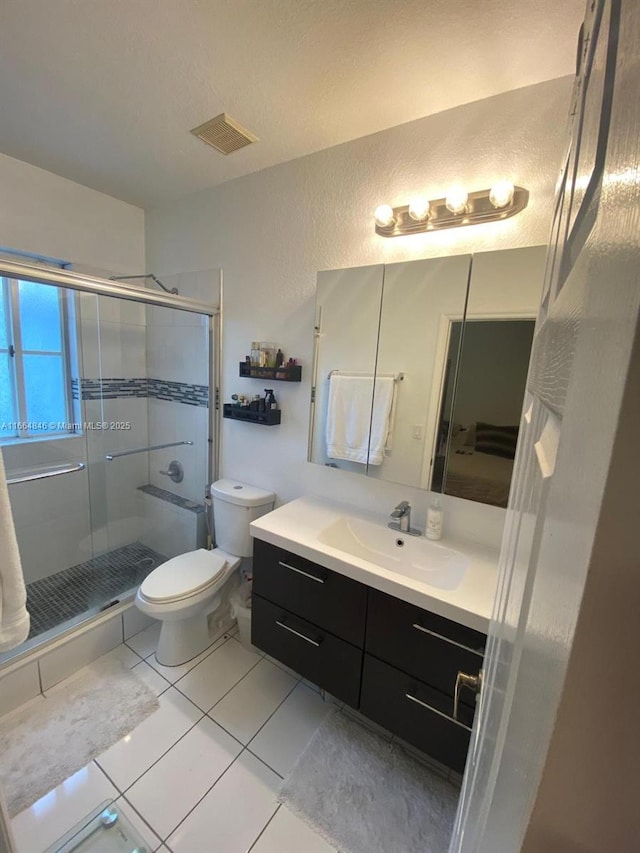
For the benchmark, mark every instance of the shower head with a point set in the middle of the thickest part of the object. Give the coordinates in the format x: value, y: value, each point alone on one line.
x: 148, y: 275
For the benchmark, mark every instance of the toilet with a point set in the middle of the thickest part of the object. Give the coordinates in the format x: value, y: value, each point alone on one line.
x: 184, y: 591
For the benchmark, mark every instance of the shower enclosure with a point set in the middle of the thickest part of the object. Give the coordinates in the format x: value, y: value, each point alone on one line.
x: 106, y: 431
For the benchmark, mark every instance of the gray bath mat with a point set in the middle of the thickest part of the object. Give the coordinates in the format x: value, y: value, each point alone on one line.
x: 363, y: 794
x: 49, y: 741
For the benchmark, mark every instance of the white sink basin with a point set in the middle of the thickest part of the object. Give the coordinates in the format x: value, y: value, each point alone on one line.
x: 412, y: 556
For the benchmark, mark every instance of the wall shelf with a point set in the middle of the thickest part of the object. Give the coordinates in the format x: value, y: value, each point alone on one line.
x: 240, y: 413
x: 280, y: 374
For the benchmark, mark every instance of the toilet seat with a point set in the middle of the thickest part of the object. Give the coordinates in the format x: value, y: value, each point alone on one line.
x: 183, y: 576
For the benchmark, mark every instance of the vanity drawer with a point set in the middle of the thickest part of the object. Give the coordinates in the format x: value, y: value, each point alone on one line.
x: 428, y: 647
x: 316, y: 654
x: 325, y: 598
x: 415, y: 712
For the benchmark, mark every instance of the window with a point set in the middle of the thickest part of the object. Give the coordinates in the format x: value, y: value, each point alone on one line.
x: 35, y: 382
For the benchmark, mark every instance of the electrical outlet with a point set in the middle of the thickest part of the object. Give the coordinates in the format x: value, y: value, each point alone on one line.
x: 417, y: 431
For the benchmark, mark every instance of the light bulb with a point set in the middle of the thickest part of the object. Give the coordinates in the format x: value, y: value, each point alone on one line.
x: 501, y: 193
x: 384, y: 216
x: 419, y: 208
x: 456, y: 200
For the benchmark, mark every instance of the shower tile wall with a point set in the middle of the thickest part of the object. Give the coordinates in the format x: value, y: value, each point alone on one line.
x: 178, y: 352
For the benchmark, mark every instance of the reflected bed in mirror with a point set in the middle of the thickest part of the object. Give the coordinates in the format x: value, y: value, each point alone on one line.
x: 392, y: 355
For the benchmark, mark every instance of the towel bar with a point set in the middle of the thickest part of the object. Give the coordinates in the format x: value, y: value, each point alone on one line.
x: 42, y: 475
x: 397, y: 377
x: 111, y: 456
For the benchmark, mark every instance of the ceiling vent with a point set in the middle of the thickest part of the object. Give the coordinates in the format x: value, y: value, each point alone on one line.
x: 224, y: 133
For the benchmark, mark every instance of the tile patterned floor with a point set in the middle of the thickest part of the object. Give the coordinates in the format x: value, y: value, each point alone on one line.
x: 87, y: 586
x: 201, y: 774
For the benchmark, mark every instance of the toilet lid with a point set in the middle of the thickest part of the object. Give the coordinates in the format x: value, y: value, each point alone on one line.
x: 182, y: 576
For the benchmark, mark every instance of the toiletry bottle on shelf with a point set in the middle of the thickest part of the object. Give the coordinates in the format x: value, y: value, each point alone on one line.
x: 270, y: 402
x: 434, y: 520
x: 279, y: 358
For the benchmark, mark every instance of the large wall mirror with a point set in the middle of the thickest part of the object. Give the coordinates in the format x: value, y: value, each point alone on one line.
x: 420, y: 368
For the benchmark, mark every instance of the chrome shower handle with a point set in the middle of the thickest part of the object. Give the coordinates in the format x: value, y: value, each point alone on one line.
x: 176, y: 471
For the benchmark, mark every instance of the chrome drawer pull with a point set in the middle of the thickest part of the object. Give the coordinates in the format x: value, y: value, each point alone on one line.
x: 472, y: 682
x: 297, y: 633
x: 435, y: 711
x: 300, y: 572
x: 447, y: 640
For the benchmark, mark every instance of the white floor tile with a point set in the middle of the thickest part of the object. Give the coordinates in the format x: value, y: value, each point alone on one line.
x: 151, y: 677
x: 286, y: 833
x: 282, y: 739
x: 148, y: 836
x: 37, y: 827
x: 252, y: 701
x: 124, y: 654
x: 128, y: 759
x: 233, y: 813
x: 283, y: 666
x: 173, y: 786
x: 208, y: 682
x: 146, y: 642
x: 175, y: 673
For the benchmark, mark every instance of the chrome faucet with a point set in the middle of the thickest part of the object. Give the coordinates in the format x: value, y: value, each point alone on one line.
x: 403, y: 513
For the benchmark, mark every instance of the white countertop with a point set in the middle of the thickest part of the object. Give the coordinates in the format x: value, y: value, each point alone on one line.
x: 296, y: 526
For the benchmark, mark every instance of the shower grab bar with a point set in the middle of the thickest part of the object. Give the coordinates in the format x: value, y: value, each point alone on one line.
x: 42, y: 475
x: 111, y: 456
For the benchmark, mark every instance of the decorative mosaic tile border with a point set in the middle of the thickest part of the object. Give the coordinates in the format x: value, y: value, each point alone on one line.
x: 160, y: 389
x: 170, y: 497
x: 179, y: 392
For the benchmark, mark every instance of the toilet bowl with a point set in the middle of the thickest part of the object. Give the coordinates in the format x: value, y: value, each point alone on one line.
x: 181, y: 593
x: 185, y: 590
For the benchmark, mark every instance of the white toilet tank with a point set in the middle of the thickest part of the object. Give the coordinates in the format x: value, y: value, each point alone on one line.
x: 235, y: 506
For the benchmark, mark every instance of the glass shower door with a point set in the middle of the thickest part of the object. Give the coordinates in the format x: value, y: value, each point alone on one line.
x: 44, y: 443
x: 104, y: 428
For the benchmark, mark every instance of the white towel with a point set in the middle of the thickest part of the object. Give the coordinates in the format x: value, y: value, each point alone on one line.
x: 353, y: 431
x: 14, y: 619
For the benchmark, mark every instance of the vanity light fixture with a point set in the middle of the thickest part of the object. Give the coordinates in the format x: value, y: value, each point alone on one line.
x: 456, y: 200
x: 458, y: 208
x: 384, y: 215
x: 419, y: 208
x: 501, y: 194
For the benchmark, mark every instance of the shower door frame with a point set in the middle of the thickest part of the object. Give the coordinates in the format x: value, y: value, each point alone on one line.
x: 134, y: 293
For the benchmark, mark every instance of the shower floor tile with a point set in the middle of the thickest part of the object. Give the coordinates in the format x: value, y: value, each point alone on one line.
x: 89, y: 585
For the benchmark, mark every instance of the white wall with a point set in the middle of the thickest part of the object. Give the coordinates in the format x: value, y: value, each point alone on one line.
x: 45, y: 214
x: 272, y: 231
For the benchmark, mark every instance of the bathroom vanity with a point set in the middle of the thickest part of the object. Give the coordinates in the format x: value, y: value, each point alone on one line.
x: 388, y: 639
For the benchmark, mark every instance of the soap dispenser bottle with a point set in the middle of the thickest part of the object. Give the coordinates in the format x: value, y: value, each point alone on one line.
x: 270, y: 402
x: 434, y: 519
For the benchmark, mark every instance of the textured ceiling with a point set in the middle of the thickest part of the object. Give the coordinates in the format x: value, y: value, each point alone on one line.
x: 104, y: 92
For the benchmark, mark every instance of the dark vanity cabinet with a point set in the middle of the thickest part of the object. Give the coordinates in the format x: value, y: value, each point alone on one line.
x: 394, y: 662
x: 411, y: 664
x: 309, y: 618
